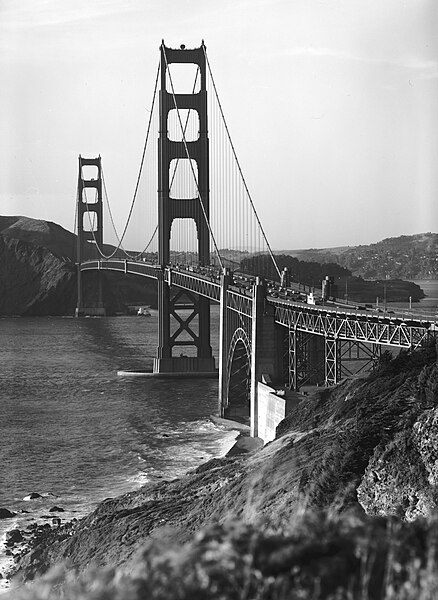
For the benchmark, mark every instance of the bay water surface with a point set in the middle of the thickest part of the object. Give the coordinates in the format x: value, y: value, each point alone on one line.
x: 75, y: 432
x: 428, y: 306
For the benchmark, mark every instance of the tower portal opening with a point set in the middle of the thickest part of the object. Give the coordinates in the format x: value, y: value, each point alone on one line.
x: 183, y: 179
x: 183, y: 124
x: 183, y: 78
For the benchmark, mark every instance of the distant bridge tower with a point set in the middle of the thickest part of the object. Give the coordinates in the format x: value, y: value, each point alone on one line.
x: 89, y: 227
x: 170, y: 208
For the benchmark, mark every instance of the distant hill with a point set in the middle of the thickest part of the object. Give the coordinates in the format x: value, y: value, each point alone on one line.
x: 46, y: 234
x: 41, y: 233
x: 38, y: 277
x: 346, y: 285
x: 403, y: 257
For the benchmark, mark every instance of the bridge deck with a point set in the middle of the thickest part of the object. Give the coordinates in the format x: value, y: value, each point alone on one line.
x: 352, y: 322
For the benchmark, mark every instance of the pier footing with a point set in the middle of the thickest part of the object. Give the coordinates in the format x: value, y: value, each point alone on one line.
x: 168, y: 375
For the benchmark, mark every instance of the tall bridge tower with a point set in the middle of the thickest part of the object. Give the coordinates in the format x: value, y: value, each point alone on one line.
x: 89, y: 223
x: 170, y: 341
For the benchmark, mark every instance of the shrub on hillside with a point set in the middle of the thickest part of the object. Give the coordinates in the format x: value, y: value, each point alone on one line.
x: 319, y: 556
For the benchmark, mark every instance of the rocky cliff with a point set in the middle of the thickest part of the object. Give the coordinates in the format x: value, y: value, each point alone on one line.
x: 368, y: 443
x: 34, y: 280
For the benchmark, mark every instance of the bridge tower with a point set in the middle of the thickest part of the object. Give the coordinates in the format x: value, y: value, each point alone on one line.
x: 170, y: 208
x: 89, y: 228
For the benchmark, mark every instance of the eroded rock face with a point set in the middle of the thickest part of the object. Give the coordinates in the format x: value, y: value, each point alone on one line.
x: 33, y: 280
x: 395, y: 482
x: 425, y: 437
x: 401, y: 477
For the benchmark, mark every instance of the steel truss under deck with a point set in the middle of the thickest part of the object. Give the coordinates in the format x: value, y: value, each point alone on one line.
x: 358, y: 327
x: 321, y: 344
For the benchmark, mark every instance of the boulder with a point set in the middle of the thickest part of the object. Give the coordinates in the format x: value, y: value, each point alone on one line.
x: 13, y: 537
x: 56, y: 509
x: 32, y: 496
x: 6, y: 514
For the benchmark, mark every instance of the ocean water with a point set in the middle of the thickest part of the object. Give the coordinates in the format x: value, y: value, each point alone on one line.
x: 428, y: 306
x: 75, y: 432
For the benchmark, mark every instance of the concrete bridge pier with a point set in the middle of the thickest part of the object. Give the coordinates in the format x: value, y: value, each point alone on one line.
x: 266, y: 350
x: 90, y: 303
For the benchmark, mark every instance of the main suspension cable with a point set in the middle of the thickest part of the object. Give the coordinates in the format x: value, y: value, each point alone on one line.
x: 143, y: 155
x: 120, y: 239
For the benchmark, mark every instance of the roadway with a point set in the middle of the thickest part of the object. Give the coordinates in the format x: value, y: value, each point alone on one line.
x: 206, y: 282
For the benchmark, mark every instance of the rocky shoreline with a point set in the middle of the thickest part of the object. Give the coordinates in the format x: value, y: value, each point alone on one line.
x: 366, y: 445
x: 47, y: 529
x: 43, y: 528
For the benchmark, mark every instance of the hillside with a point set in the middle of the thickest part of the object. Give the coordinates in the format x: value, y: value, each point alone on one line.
x: 405, y: 257
x: 48, y: 235
x: 37, y: 273
x: 312, y: 273
x: 365, y: 446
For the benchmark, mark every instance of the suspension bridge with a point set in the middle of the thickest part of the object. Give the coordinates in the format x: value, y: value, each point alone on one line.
x: 204, y: 245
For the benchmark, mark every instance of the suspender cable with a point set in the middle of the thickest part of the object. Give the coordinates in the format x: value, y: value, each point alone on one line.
x: 238, y: 165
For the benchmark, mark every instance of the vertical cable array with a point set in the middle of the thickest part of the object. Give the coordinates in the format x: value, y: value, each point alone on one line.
x: 242, y: 241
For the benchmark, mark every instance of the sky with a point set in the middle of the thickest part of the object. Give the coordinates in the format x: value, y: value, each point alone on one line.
x: 332, y: 106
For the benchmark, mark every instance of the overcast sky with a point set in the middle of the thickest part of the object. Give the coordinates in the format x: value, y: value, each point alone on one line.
x: 332, y: 106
